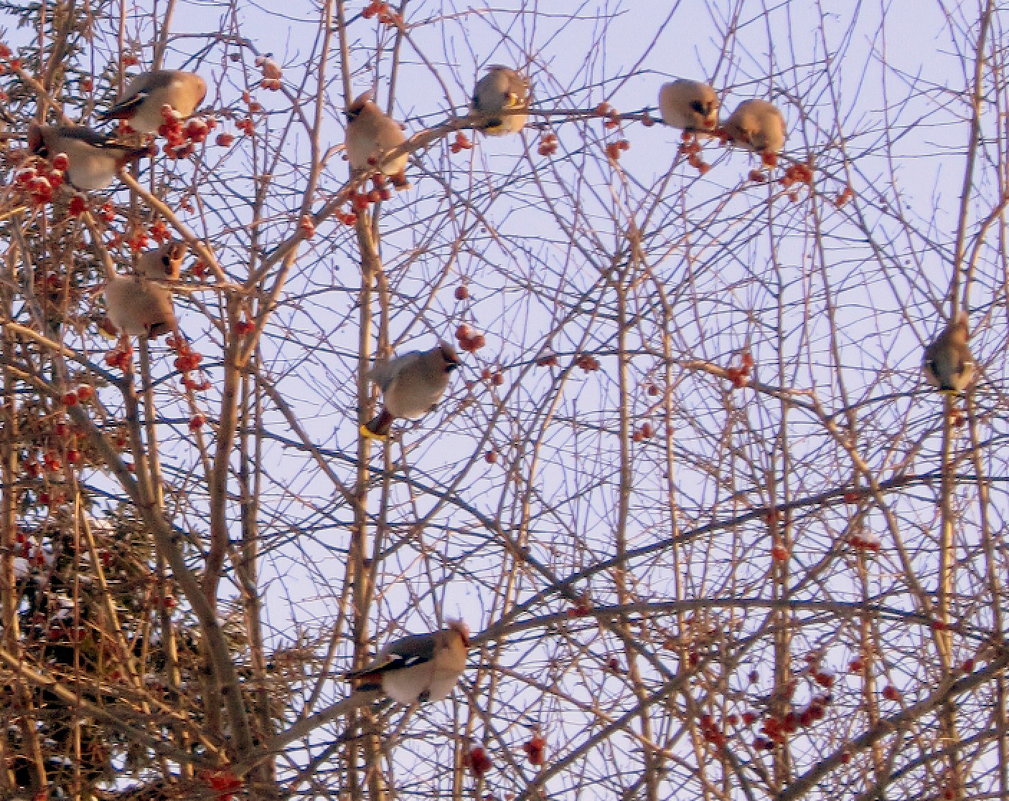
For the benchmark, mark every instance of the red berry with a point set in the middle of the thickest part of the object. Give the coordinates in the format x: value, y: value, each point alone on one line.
x: 196, y: 422
x: 461, y: 292
x: 779, y: 553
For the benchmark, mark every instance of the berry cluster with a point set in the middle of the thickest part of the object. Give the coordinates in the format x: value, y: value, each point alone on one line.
x: 469, y: 339
x: 548, y: 145
x: 462, y: 142
x: 42, y: 178
x: 740, y: 376
x: 381, y: 10
x: 477, y: 761
x: 181, y: 140
x: 271, y: 74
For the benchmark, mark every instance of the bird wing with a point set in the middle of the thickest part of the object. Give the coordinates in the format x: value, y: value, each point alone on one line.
x: 406, y: 652
x: 383, y: 372
x: 138, y: 91
x: 96, y: 139
x: 125, y: 107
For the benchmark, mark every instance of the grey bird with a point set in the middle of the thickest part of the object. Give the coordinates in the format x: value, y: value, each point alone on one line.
x: 418, y: 668
x: 757, y: 125
x: 948, y: 363
x: 411, y: 385
x: 371, y: 135
x: 501, y: 89
x: 141, y: 102
x: 690, y: 105
x: 136, y: 305
x: 94, y: 158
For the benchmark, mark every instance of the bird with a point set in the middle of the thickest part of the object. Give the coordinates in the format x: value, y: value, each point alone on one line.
x: 501, y: 89
x: 94, y: 158
x: 948, y: 364
x: 690, y: 105
x: 371, y: 134
x: 141, y: 102
x: 418, y: 668
x: 757, y: 125
x: 136, y: 305
x: 411, y: 385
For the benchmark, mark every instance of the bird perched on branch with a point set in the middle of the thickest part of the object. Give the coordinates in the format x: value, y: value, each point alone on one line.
x: 141, y: 102
x: 371, y: 135
x: 418, y: 668
x: 690, y: 105
x: 94, y: 158
x: 948, y: 363
x: 411, y: 385
x: 136, y: 305
x: 757, y: 125
x: 501, y: 89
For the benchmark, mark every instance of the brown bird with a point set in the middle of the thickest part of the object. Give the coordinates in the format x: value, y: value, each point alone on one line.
x: 948, y: 363
x: 501, y: 89
x: 136, y: 305
x: 418, y: 668
x: 371, y: 135
x: 141, y: 102
x: 757, y: 125
x: 411, y: 385
x: 690, y: 105
x: 94, y: 158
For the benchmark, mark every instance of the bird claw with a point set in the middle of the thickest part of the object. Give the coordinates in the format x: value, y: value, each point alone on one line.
x: 367, y: 433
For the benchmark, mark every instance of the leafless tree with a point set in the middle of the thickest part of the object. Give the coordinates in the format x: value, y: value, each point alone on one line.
x: 713, y: 535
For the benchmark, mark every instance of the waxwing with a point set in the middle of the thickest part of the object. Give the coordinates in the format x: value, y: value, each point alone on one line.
x: 143, y: 98
x: 501, y: 89
x: 757, y: 125
x: 94, y: 158
x: 411, y: 386
x: 690, y: 105
x: 948, y: 363
x: 418, y: 668
x: 371, y: 134
x: 136, y: 305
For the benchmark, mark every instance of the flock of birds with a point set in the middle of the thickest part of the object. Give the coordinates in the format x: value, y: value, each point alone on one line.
x: 424, y: 666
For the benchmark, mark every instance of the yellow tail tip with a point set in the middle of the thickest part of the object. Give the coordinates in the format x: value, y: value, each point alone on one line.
x: 367, y: 433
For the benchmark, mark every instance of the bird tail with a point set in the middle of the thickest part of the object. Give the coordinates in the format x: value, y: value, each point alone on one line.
x: 379, y: 426
x: 493, y: 127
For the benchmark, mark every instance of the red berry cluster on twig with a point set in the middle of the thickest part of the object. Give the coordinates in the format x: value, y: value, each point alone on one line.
x: 271, y: 73
x: 381, y: 10
x: 691, y: 148
x: 469, y: 339
x: 42, y: 178
x: 740, y: 376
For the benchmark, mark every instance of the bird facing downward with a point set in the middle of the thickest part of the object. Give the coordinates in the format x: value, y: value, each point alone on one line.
x: 501, y: 89
x: 757, y: 125
x: 690, y: 105
x: 411, y: 385
x: 136, y: 305
x: 94, y: 158
x: 418, y: 668
x: 948, y: 363
x: 141, y: 102
x: 371, y: 135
